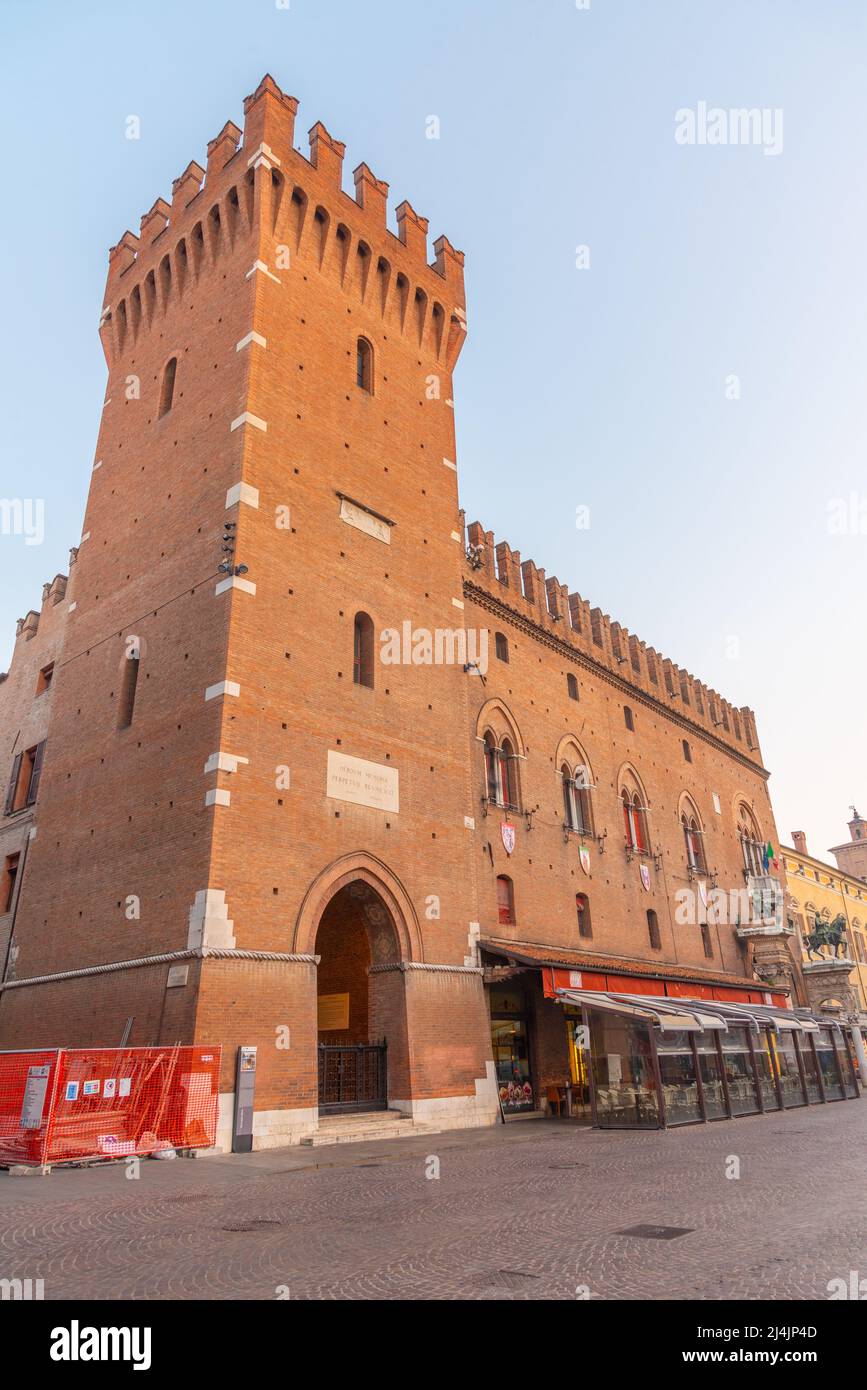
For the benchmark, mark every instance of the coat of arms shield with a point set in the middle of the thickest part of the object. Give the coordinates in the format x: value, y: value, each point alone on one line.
x: 508, y: 834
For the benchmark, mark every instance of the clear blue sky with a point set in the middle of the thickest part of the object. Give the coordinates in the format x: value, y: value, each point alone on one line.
x: 603, y: 387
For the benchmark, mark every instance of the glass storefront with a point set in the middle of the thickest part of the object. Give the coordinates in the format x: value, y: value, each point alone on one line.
x: 787, y: 1065
x: 827, y: 1058
x: 762, y: 1044
x: 510, y: 1042
x: 578, y: 1091
x: 845, y: 1062
x: 624, y: 1078
x: 740, y: 1077
x: 811, y: 1070
x: 677, y: 1074
x: 711, y: 1073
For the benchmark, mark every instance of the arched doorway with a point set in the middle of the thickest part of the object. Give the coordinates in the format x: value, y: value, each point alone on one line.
x: 361, y: 1015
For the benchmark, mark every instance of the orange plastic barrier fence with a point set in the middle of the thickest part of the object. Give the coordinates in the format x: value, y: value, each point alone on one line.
x: 60, y: 1105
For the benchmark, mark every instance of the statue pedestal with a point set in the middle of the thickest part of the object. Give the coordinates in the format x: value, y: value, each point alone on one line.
x: 827, y: 984
x: 773, y: 964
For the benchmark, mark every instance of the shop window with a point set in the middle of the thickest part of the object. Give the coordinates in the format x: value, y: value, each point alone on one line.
x: 582, y: 908
x: 653, y: 930
x: 505, y: 901
x: 364, y: 366
x: 572, y: 687
x: 45, y: 678
x: 362, y: 662
x: 501, y: 647
x: 24, y: 779
x: 7, y: 885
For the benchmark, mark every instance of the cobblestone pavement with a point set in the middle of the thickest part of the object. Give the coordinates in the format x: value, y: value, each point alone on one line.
x: 530, y: 1211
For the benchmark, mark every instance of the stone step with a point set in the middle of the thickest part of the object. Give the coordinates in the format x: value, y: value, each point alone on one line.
x: 365, y: 1128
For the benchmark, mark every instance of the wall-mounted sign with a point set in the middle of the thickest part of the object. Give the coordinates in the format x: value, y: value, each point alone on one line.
x: 365, y: 521
x: 362, y: 783
x: 332, y: 1012
x: 178, y: 975
x: 34, y: 1097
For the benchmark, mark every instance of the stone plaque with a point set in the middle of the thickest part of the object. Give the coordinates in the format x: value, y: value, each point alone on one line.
x: 363, y: 783
x: 364, y: 521
x: 332, y: 1012
x: 178, y: 975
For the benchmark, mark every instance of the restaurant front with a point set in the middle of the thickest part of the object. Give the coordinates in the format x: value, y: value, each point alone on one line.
x: 632, y: 1052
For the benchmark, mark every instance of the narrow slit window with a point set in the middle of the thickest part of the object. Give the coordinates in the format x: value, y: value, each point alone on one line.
x: 363, y: 650
x: 167, y: 390
x: 129, y: 685
x: 364, y: 366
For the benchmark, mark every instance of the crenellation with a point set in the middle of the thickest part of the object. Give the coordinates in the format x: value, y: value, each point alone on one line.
x: 371, y: 193
x: 571, y: 618
x: 326, y: 155
x: 223, y: 147
x: 154, y: 221
x: 412, y: 230
x: 186, y: 187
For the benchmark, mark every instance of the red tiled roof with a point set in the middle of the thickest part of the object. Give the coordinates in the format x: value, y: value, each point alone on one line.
x: 533, y: 953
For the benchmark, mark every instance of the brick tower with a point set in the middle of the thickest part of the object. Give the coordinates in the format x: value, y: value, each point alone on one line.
x: 244, y: 815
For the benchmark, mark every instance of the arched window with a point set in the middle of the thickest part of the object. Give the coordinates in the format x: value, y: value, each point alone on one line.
x: 634, y: 821
x: 576, y: 799
x: 492, y: 768
x: 687, y: 751
x: 752, y: 847
x: 653, y: 930
x: 508, y: 775
x: 167, y: 390
x: 572, y: 687
x: 693, y: 840
x: 501, y: 647
x: 582, y: 908
x: 628, y: 718
x: 363, y: 664
x: 505, y: 901
x: 364, y: 366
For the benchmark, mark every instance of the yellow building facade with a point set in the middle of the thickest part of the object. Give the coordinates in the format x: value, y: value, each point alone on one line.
x: 819, y: 893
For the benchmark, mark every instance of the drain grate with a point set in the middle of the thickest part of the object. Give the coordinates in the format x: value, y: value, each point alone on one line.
x: 656, y: 1232
x: 503, y: 1279
x: 257, y: 1224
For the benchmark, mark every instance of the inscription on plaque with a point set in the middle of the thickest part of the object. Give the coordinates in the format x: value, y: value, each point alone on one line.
x: 361, y: 782
x: 364, y: 521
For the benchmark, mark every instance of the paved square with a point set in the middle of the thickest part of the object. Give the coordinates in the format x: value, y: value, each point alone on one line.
x: 535, y: 1210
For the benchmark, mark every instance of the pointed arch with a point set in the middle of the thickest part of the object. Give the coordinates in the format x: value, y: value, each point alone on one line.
x: 366, y: 868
